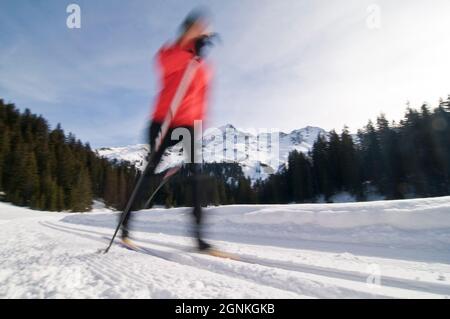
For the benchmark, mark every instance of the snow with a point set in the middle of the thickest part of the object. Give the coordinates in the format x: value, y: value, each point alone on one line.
x: 286, y: 251
x: 134, y: 154
x: 254, y: 153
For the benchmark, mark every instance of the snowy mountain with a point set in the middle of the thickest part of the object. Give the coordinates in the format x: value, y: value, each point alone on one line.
x: 260, y: 153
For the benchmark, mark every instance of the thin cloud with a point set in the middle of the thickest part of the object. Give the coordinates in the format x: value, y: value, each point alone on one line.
x: 284, y: 64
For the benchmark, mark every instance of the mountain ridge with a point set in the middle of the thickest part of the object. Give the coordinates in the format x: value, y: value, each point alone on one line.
x: 255, y: 152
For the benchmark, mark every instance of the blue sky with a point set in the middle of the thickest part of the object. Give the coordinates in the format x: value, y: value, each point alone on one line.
x: 282, y: 64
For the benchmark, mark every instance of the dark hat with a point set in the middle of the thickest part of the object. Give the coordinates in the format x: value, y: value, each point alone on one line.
x: 198, y: 14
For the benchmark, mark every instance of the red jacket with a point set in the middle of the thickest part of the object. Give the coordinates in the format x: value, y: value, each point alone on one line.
x: 173, y: 61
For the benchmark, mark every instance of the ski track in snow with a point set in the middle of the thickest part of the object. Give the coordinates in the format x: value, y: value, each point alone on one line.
x: 55, y: 255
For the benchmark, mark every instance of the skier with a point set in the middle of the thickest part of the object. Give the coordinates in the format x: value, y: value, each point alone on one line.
x: 173, y: 61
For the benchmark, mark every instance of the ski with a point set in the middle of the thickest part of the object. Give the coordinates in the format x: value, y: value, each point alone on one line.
x: 213, y: 252
x: 219, y: 254
x: 132, y: 246
x: 128, y: 244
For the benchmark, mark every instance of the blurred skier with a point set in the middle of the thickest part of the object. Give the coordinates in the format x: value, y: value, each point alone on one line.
x: 173, y: 61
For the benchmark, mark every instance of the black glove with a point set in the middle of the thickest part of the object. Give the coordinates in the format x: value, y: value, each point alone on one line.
x: 203, y: 43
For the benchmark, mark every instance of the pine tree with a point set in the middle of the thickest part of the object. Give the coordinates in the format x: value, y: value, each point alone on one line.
x: 81, y: 194
x: 4, y: 153
x: 412, y: 153
x: 293, y: 175
x: 110, y: 195
x: 391, y: 175
x: 349, y: 164
x: 371, y: 156
x: 31, y: 186
x: 334, y: 161
x: 321, y: 167
x: 52, y: 197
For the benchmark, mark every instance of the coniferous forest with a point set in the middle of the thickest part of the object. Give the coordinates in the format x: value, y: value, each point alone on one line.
x: 401, y: 160
x: 46, y: 169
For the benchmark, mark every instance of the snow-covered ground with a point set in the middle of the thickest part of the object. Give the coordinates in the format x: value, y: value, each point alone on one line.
x: 391, y: 249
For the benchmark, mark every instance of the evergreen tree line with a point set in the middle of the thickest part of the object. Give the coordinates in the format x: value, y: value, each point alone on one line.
x: 221, y: 184
x: 46, y: 169
x: 395, y: 160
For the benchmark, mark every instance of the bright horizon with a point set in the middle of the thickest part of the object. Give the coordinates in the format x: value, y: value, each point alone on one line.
x: 281, y: 65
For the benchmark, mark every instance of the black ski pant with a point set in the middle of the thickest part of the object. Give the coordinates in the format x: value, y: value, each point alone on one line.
x: 194, y: 170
